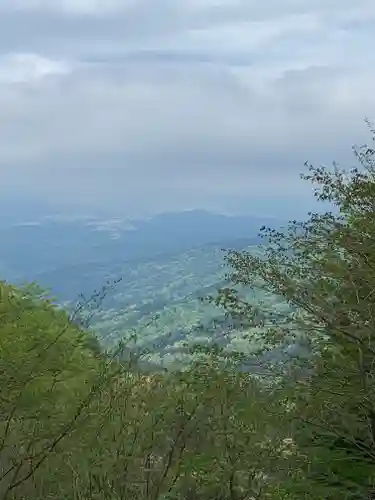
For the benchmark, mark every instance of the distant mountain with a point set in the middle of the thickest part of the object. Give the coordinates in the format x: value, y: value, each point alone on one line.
x: 199, y: 226
x: 33, y: 247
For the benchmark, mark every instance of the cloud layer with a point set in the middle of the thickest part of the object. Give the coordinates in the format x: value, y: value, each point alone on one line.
x: 160, y: 105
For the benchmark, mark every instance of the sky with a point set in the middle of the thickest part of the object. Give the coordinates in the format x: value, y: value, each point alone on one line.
x: 145, y: 106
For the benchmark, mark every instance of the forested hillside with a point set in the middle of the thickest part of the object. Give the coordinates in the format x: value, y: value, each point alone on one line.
x: 78, y: 421
x: 160, y: 300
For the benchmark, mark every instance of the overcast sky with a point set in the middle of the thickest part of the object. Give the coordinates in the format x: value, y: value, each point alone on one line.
x: 152, y: 105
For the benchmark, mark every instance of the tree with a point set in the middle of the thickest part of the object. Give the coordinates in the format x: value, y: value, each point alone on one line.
x: 78, y: 424
x: 324, y: 269
x: 48, y: 376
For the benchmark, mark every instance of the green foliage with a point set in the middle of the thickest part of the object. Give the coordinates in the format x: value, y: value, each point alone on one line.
x: 324, y: 269
x: 46, y: 371
x: 75, y: 424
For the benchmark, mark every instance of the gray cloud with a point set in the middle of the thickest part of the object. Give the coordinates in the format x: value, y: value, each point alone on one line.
x: 169, y: 104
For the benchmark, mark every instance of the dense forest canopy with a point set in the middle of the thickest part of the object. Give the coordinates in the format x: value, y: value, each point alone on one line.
x: 82, y: 422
